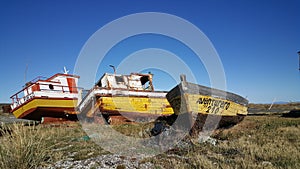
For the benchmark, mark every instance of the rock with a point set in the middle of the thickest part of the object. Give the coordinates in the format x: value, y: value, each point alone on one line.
x: 207, y: 139
x: 266, y: 163
x: 102, y: 162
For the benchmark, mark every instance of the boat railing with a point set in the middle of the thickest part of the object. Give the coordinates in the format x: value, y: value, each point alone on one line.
x: 35, y: 80
x: 86, y: 95
x: 26, y: 94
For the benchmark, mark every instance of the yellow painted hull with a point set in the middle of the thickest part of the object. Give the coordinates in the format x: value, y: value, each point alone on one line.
x: 208, y: 105
x: 35, y: 107
x: 195, y: 103
x: 132, y: 105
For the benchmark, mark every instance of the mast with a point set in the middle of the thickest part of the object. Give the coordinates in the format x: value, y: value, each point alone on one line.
x: 299, y: 59
x: 113, y: 68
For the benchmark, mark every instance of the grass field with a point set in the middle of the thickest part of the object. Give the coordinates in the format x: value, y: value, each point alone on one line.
x: 257, y: 142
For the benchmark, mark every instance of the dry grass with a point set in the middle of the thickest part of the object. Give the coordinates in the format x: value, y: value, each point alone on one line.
x: 135, y: 130
x: 257, y: 142
x: 25, y: 147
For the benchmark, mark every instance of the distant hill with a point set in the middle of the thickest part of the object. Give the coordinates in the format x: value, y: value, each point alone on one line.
x: 281, y: 102
x: 280, y: 107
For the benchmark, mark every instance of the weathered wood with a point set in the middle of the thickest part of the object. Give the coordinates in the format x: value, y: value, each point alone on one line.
x: 182, y: 100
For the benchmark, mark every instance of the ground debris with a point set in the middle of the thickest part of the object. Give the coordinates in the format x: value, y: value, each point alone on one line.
x: 102, y: 162
x: 207, y: 139
x: 266, y: 163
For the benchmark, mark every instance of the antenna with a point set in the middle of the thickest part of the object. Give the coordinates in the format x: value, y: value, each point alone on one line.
x: 299, y: 59
x: 113, y: 68
x: 25, y: 73
x: 65, y: 70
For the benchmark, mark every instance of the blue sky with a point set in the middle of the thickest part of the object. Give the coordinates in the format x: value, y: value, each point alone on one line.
x: 257, y: 41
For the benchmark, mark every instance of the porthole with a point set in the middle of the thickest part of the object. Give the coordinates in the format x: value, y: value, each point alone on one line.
x: 51, y: 86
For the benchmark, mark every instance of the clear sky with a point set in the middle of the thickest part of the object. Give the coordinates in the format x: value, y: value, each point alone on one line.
x: 257, y: 41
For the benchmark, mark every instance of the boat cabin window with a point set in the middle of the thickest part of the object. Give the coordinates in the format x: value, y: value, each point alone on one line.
x: 146, y: 83
x: 119, y: 79
x: 51, y: 86
x: 144, y: 79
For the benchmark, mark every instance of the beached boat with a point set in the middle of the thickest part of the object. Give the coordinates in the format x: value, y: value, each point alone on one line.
x: 47, y: 99
x: 124, y: 98
x: 198, y: 102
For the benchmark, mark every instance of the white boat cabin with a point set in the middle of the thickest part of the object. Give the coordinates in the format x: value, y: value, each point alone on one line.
x: 134, y: 81
x: 57, y: 86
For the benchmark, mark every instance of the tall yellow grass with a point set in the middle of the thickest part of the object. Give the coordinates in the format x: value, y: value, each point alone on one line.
x: 25, y: 147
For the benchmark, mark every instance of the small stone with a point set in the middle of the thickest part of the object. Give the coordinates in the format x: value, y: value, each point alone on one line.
x: 266, y: 163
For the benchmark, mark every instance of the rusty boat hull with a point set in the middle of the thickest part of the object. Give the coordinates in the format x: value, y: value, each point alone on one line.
x: 104, y: 106
x: 200, y: 106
